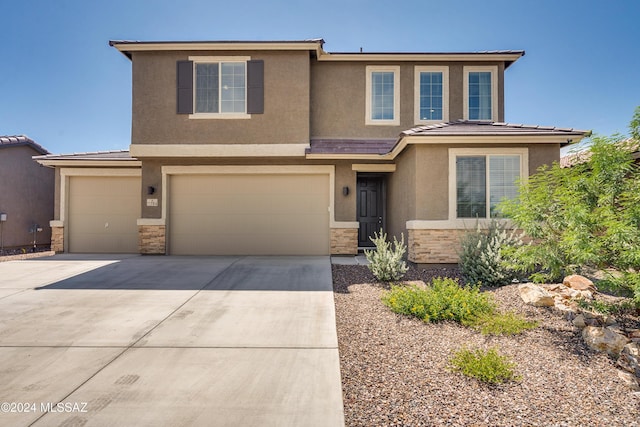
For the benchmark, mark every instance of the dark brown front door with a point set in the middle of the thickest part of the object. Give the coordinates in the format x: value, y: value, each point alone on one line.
x: 370, y: 200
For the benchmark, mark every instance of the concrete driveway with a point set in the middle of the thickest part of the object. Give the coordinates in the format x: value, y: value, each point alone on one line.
x: 175, y: 341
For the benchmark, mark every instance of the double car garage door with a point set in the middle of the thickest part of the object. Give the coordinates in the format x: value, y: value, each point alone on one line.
x: 237, y: 214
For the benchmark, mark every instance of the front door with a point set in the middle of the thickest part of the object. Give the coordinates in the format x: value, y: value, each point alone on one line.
x: 370, y: 203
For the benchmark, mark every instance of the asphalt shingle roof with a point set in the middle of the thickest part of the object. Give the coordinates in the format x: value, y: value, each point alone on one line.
x: 350, y: 146
x: 473, y: 128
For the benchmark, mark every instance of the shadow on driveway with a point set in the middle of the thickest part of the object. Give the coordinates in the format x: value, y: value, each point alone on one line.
x: 253, y: 273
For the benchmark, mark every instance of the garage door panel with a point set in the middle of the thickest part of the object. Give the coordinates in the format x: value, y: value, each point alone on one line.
x: 249, y: 214
x: 103, y: 213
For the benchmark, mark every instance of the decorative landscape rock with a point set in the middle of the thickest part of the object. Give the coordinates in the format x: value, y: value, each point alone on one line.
x: 604, y: 339
x: 580, y: 283
x: 629, y: 359
x: 629, y: 379
x: 579, y: 321
x: 535, y: 295
x: 600, y: 332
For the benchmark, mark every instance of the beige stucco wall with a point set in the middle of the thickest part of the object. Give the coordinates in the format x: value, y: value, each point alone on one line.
x: 401, y: 193
x: 345, y: 206
x: 425, y: 197
x: 286, y: 102
x: 338, y: 92
x: 26, y: 196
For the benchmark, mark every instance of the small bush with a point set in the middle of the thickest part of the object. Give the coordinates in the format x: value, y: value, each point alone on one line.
x: 487, y: 366
x: 501, y: 324
x: 615, y: 308
x: 445, y: 299
x: 386, y: 263
x: 481, y: 255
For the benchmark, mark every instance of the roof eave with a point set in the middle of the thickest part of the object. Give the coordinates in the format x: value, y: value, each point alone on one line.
x: 52, y: 163
x: 507, y: 57
x: 126, y: 47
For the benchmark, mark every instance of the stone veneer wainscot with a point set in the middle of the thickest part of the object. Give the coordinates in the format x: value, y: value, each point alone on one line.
x: 344, y: 241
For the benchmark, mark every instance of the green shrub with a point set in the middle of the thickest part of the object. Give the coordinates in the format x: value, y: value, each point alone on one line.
x: 615, y: 308
x: 386, y: 262
x: 501, y: 324
x: 445, y: 299
x: 481, y: 255
x: 485, y: 365
x: 587, y: 215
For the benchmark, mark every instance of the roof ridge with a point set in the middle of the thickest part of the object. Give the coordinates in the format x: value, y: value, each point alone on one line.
x: 17, y: 140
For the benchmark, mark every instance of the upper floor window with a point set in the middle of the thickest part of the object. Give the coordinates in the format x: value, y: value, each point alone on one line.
x: 481, y: 93
x: 220, y: 87
x: 483, y: 178
x: 431, y: 94
x: 383, y: 95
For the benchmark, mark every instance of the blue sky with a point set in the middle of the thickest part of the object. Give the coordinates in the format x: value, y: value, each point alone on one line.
x: 62, y: 85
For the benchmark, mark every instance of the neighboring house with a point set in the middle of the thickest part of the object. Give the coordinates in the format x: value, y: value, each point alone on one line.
x: 276, y: 147
x: 582, y: 156
x: 26, y: 194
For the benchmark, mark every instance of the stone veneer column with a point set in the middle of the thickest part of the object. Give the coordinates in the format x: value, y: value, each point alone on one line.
x: 151, y: 239
x: 57, y: 238
x: 344, y: 241
x: 434, y: 246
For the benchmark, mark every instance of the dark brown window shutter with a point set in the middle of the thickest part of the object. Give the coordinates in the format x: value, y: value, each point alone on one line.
x: 255, y: 87
x: 185, y: 87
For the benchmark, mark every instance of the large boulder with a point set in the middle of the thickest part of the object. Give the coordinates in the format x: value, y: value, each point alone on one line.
x: 579, y: 283
x: 604, y: 339
x: 535, y: 295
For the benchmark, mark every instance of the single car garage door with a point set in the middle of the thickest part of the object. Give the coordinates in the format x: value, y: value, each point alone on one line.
x: 238, y: 214
x: 103, y: 214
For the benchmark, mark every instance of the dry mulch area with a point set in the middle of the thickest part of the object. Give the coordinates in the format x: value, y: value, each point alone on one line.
x: 394, y: 368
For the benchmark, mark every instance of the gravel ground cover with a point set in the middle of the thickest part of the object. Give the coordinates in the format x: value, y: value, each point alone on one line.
x: 394, y: 368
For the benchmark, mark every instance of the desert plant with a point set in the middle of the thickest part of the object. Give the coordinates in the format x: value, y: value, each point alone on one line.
x: 386, y: 261
x: 445, y: 299
x: 485, y: 365
x: 584, y: 215
x: 508, y: 323
x: 481, y: 258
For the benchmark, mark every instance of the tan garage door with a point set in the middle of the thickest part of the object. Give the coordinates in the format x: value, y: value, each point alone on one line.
x: 102, y: 214
x: 249, y: 214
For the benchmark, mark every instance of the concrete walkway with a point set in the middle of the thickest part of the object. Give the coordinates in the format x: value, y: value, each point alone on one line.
x: 130, y: 340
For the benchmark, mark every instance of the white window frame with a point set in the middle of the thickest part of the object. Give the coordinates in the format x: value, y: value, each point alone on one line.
x: 445, y: 93
x: 460, y: 152
x: 493, y: 69
x: 219, y: 59
x: 396, y: 95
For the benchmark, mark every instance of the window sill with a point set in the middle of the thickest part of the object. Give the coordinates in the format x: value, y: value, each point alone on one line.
x: 382, y: 123
x: 216, y: 116
x: 431, y: 122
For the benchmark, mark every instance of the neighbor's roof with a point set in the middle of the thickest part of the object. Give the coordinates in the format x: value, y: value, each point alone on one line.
x: 583, y: 156
x: 21, y: 140
x: 316, y: 45
x: 471, y: 128
x: 97, y: 158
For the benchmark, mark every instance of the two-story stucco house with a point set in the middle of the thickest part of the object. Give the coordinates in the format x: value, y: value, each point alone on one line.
x: 279, y: 147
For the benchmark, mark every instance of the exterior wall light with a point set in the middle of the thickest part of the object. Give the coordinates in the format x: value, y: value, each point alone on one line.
x: 345, y: 190
x: 151, y: 190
